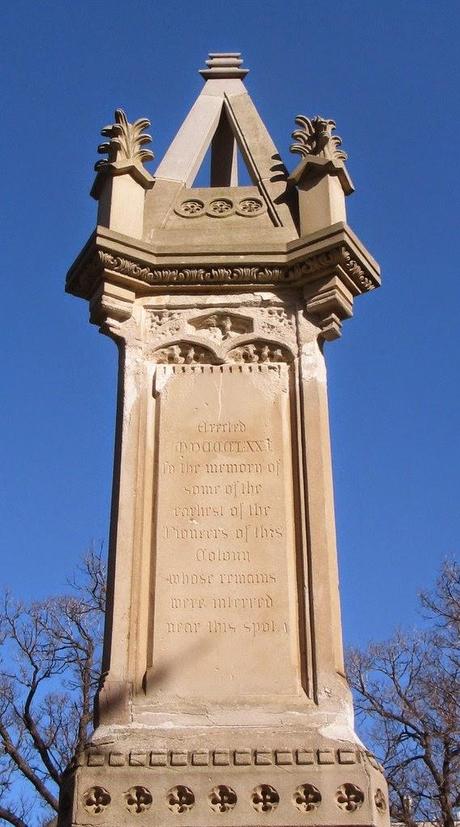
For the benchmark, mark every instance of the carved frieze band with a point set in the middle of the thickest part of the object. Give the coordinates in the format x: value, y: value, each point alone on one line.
x: 222, y: 798
x: 259, y: 335
x: 222, y: 325
x: 224, y: 758
x: 193, y: 275
x: 252, y: 336
x: 315, y: 265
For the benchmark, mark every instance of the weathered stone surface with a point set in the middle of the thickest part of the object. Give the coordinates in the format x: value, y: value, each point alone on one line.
x: 224, y: 540
x: 223, y: 697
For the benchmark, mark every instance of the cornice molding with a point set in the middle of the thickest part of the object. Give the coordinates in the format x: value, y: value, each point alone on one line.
x: 295, y: 267
x: 330, y: 268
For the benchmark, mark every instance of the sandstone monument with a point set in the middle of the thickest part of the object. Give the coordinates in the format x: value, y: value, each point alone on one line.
x: 223, y: 699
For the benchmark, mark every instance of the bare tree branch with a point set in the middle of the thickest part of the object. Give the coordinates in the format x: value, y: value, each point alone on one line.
x: 50, y: 654
x: 407, y: 696
x: 11, y: 818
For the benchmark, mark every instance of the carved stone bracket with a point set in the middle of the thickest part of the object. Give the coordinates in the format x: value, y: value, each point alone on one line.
x: 349, y: 267
x: 110, y: 306
x: 330, y: 302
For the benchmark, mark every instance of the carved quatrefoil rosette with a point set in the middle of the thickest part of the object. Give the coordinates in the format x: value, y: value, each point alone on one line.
x: 250, y: 207
x: 96, y: 799
x: 180, y: 799
x: 222, y: 798
x: 307, y: 798
x: 191, y: 208
x: 265, y: 798
x: 349, y: 797
x: 380, y: 801
x: 220, y: 208
x: 138, y: 799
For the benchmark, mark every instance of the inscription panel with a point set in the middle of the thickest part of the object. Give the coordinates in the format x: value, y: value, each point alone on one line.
x: 225, y: 606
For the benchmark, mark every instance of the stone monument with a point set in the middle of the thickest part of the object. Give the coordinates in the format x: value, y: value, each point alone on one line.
x: 223, y: 699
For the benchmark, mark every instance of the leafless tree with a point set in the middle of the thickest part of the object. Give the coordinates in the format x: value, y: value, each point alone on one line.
x: 407, y: 699
x: 49, y: 669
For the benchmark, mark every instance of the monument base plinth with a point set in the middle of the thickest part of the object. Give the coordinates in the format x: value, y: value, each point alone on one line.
x: 249, y: 777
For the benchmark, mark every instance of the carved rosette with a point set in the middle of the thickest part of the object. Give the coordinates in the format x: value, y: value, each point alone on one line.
x: 265, y: 798
x: 307, y: 798
x: 349, y: 797
x: 248, y: 207
x: 180, y: 799
x: 138, y: 799
x: 96, y: 800
x: 380, y: 800
x: 222, y: 798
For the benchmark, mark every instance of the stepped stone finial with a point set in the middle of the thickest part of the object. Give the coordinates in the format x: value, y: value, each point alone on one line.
x: 223, y: 65
x: 126, y: 143
x: 315, y: 138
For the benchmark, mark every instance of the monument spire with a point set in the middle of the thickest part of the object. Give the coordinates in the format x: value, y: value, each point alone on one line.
x: 223, y: 696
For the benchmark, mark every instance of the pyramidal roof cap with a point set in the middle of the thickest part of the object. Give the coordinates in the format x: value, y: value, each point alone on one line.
x: 224, y: 119
x: 223, y: 65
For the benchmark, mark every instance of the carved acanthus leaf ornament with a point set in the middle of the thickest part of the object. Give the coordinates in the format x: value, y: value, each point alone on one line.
x: 315, y: 138
x: 316, y: 264
x: 126, y: 143
x: 191, y: 275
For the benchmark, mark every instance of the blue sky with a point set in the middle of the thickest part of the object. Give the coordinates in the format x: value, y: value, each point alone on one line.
x: 388, y: 74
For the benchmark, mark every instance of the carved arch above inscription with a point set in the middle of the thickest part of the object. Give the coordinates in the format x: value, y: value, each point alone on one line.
x: 249, y: 351
x: 185, y: 353
x: 261, y: 351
